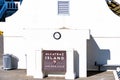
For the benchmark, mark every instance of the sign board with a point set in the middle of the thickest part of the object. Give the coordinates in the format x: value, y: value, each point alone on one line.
x: 54, y: 61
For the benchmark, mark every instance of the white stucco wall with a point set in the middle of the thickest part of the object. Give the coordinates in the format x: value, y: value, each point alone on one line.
x: 71, y: 40
x: 84, y: 14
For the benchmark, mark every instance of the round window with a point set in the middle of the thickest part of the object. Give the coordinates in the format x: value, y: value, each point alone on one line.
x: 57, y: 35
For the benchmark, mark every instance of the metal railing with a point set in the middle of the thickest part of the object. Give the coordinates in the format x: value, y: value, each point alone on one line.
x: 2, y: 11
x: 12, y: 5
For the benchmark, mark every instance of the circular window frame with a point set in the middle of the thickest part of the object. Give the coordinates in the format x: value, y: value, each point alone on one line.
x: 57, y: 35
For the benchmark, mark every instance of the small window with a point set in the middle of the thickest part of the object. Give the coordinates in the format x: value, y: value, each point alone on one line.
x: 63, y: 7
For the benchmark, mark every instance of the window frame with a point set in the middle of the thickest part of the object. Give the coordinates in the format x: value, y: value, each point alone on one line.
x: 63, y: 7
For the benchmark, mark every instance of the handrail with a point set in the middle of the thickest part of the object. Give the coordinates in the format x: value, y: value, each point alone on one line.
x: 114, y: 6
x: 3, y: 9
x: 12, y: 5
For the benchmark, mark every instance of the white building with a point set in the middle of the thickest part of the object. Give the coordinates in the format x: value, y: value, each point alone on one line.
x: 89, y: 22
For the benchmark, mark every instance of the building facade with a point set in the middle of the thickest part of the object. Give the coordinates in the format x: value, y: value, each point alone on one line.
x: 97, y: 16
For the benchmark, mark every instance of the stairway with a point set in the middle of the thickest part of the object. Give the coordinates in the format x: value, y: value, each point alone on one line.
x: 7, y: 9
x: 114, y: 6
x: 12, y: 7
x: 2, y: 12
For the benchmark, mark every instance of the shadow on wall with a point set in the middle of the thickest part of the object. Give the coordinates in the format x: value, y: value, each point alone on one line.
x: 1, y: 46
x: 76, y: 63
x: 14, y: 60
x: 95, y: 54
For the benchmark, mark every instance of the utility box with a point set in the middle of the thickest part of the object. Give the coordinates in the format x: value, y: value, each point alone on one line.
x: 7, y: 62
x: 10, y: 62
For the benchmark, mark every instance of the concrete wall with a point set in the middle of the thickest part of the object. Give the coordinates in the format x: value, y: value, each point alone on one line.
x: 96, y: 54
x: 71, y: 40
x: 84, y: 14
x: 103, y: 51
x: 1, y: 46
